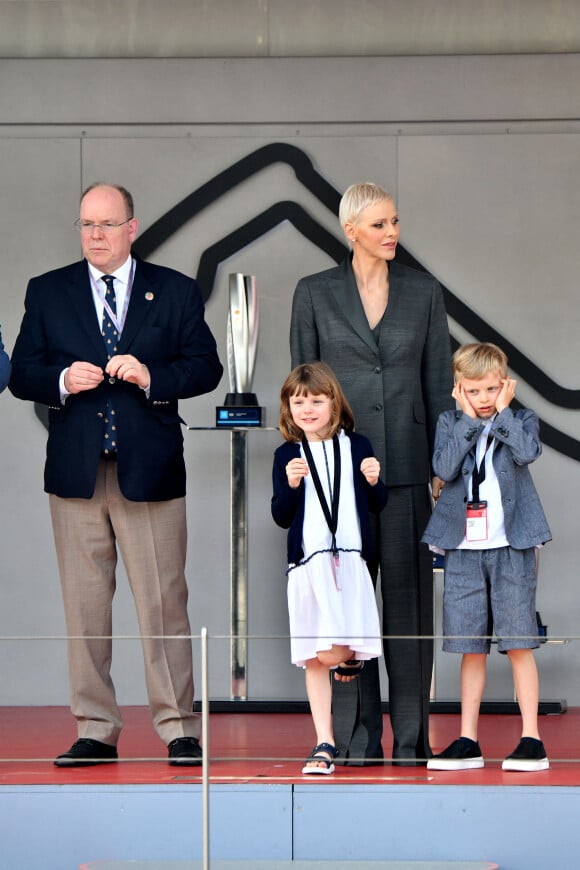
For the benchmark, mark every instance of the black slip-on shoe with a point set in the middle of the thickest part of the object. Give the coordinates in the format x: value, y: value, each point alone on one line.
x: 185, y: 751
x: 529, y: 755
x: 85, y: 752
x: 462, y: 754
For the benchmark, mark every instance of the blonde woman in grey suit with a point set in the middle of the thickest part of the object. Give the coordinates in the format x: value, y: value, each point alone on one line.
x: 382, y: 328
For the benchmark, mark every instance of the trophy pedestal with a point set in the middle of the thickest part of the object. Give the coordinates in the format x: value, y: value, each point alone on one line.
x: 240, y: 410
x: 238, y: 555
x: 236, y: 400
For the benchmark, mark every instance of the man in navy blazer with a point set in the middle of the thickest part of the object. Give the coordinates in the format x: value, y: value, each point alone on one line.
x: 4, y: 366
x: 115, y: 467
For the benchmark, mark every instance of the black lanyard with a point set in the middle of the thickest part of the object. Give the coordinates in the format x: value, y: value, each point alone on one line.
x: 330, y: 514
x: 478, y: 474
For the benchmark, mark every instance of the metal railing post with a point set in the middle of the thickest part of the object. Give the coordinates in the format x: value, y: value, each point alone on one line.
x: 205, y: 745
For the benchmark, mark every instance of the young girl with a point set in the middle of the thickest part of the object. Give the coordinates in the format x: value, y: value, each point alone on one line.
x: 326, y: 480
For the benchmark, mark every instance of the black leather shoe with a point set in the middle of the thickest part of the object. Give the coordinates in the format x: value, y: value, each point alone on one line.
x: 86, y: 752
x: 185, y: 751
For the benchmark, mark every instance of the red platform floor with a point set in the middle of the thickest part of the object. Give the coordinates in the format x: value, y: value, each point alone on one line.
x: 268, y: 747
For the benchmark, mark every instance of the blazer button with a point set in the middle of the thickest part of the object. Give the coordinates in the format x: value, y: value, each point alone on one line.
x: 377, y: 370
x: 100, y: 414
x: 378, y: 407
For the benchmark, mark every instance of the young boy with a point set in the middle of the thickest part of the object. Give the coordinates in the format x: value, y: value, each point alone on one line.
x: 489, y: 521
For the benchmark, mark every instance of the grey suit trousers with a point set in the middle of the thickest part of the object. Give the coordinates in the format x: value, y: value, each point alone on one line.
x: 406, y: 583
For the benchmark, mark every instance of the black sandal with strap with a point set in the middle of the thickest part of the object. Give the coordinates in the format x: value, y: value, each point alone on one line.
x: 328, y: 762
x: 352, y: 669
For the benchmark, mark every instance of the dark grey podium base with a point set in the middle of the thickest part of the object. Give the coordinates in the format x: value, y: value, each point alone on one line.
x: 548, y: 707
x: 231, y: 706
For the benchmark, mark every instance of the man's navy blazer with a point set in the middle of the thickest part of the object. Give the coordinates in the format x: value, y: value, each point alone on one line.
x: 4, y: 366
x: 165, y: 329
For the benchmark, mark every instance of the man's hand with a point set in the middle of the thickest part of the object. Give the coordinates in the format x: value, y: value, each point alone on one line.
x: 128, y: 368
x: 82, y: 376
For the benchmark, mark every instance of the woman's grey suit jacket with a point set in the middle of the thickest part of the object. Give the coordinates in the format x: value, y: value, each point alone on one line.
x: 398, y: 387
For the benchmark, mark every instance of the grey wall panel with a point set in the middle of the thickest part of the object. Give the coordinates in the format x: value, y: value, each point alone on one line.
x: 506, y: 235
x: 494, y: 217
x: 198, y: 28
x: 133, y: 28
x: 505, y: 88
x: 414, y: 27
x: 39, y: 186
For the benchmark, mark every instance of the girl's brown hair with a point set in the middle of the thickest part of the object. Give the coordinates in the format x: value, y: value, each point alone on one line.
x: 318, y: 379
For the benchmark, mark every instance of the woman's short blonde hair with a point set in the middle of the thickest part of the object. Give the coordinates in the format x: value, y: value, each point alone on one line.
x: 356, y: 198
x: 476, y: 360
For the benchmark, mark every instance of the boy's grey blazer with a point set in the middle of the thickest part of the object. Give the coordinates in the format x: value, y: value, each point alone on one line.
x: 517, y: 445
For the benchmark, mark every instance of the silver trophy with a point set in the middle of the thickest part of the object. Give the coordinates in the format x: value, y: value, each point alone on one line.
x: 240, y: 412
x: 242, y: 338
x: 241, y: 407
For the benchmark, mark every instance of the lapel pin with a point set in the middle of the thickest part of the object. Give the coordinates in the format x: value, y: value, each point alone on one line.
x: 149, y: 296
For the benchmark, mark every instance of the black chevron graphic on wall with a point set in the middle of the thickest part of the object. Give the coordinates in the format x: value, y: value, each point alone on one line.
x: 287, y: 210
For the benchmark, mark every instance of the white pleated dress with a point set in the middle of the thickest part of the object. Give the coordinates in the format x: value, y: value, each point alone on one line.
x: 331, y: 603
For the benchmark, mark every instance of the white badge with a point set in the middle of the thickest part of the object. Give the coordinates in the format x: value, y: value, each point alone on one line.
x: 476, y: 521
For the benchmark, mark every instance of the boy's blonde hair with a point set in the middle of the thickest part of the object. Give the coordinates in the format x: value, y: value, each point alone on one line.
x: 318, y: 379
x: 476, y: 360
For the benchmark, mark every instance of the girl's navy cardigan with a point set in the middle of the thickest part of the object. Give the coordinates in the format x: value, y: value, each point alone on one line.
x: 288, y: 503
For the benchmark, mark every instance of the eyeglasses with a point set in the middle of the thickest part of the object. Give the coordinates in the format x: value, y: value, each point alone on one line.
x: 106, y: 228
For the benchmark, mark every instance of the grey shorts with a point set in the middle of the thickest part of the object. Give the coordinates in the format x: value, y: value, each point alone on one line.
x: 490, y: 591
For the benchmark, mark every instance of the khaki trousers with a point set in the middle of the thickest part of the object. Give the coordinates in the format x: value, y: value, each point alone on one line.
x: 151, y: 539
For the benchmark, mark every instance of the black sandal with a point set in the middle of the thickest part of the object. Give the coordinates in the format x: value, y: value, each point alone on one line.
x: 329, y: 762
x: 352, y: 669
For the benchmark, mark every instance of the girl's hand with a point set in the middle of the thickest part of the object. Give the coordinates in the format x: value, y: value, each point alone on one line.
x: 370, y: 468
x: 462, y: 400
x: 295, y: 471
x: 506, y: 394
